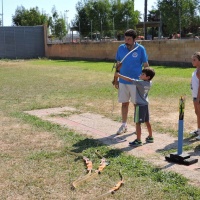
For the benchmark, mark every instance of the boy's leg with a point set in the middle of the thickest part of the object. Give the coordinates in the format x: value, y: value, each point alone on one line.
x: 137, y: 115
x: 138, y: 141
x: 138, y: 119
x: 149, y: 139
x: 149, y: 129
x: 138, y: 131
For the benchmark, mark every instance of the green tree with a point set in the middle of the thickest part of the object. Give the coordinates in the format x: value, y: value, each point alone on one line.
x: 98, y: 11
x: 178, y: 15
x: 34, y: 17
x: 57, y: 24
x: 30, y: 17
x: 82, y: 22
x: 60, y: 28
x: 105, y: 16
x: 124, y: 16
x: 153, y: 16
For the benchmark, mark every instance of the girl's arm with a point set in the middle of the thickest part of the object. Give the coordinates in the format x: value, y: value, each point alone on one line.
x: 198, y: 76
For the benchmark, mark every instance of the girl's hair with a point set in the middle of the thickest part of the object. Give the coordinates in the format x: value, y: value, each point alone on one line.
x: 149, y: 72
x: 196, y: 55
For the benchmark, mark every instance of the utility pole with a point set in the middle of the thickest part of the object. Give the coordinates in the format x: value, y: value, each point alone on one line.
x: 179, y: 13
x: 145, y: 19
x: 113, y: 28
x: 160, y: 27
x: 2, y: 13
x: 101, y: 30
x: 91, y: 29
x: 79, y: 28
x: 66, y: 18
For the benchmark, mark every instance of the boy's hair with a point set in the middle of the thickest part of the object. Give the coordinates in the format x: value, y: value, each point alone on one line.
x: 149, y: 72
x: 132, y: 33
x: 197, y: 55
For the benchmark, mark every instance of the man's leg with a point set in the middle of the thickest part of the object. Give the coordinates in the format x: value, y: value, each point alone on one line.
x: 124, y: 111
x: 123, y: 98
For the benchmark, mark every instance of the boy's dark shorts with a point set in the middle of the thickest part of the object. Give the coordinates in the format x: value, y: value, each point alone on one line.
x: 194, y: 99
x: 141, y: 114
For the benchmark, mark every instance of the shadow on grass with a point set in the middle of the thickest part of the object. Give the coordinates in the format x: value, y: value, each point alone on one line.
x: 187, y: 146
x: 96, y: 144
x: 75, y: 60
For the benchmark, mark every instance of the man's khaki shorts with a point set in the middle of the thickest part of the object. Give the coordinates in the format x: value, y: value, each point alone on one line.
x: 126, y: 93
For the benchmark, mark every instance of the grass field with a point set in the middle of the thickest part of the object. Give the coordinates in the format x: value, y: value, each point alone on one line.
x: 35, y: 163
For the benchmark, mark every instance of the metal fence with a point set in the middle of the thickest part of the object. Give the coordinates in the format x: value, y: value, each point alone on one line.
x: 22, y: 42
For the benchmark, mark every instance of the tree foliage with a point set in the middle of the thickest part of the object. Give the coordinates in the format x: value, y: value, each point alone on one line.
x: 30, y: 17
x: 105, y: 17
x: 179, y: 15
x: 153, y: 16
x: 57, y: 24
x: 34, y: 17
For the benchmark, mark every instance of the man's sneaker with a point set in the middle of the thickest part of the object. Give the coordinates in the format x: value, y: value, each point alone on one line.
x: 122, y: 129
x: 194, y: 133
x: 198, y: 137
x: 149, y: 139
x: 135, y: 143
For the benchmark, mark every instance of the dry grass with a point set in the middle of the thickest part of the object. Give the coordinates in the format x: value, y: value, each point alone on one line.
x: 33, y: 160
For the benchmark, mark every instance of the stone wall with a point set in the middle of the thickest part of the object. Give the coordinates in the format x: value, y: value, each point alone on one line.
x: 160, y: 52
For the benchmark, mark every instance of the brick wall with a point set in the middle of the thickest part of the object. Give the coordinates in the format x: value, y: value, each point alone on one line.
x: 160, y: 52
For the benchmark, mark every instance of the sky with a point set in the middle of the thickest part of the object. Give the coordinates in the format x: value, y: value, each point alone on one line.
x: 66, y: 7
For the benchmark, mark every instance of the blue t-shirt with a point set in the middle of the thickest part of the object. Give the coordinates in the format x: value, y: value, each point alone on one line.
x: 132, y: 65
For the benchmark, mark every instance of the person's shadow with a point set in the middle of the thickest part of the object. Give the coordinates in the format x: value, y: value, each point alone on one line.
x: 86, y: 143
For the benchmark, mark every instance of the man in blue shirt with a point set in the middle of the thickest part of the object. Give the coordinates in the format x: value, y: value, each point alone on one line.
x: 131, y: 57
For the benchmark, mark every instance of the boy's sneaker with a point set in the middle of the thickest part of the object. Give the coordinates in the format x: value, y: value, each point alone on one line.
x: 122, y: 129
x: 198, y: 137
x: 194, y: 133
x: 135, y: 143
x: 149, y: 140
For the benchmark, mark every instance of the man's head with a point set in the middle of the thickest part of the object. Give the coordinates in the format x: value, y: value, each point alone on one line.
x: 147, y: 74
x: 131, y: 33
x: 130, y: 36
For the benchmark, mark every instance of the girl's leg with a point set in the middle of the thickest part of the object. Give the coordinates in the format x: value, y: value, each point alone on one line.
x: 197, y: 112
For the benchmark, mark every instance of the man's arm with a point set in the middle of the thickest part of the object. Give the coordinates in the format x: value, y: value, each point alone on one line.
x: 118, y: 66
x: 146, y: 64
x: 115, y: 81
